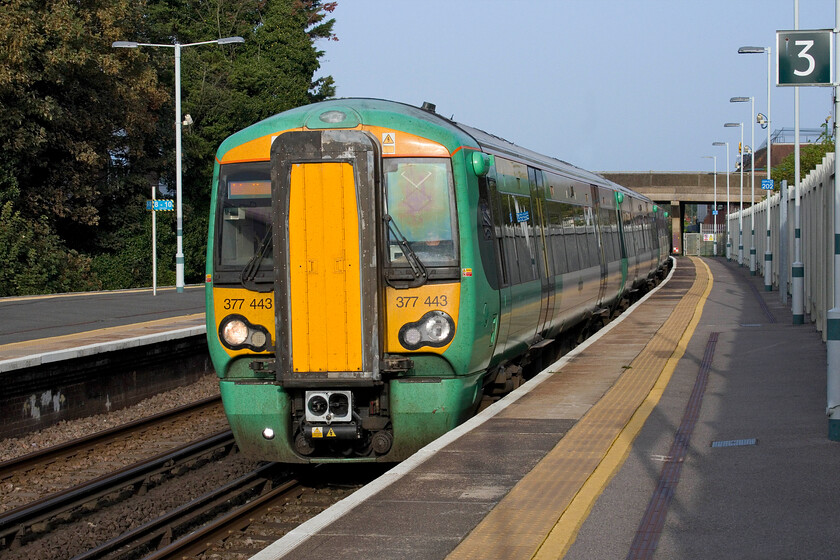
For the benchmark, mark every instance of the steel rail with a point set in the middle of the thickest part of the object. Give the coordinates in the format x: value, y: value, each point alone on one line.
x: 157, y: 534
x: 15, y: 522
x: 49, y: 454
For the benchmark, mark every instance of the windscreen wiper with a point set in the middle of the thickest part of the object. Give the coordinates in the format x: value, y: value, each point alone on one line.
x: 249, y: 273
x: 417, y: 266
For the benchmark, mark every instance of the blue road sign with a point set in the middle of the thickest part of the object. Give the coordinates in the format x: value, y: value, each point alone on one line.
x: 767, y: 184
x: 161, y: 205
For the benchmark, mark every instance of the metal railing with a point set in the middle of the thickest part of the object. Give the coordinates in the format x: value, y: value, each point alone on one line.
x: 817, y: 238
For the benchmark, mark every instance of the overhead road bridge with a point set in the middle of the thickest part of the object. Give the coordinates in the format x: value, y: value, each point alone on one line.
x: 678, y: 189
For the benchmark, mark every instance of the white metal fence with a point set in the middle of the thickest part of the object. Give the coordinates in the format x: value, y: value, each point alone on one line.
x: 817, y: 229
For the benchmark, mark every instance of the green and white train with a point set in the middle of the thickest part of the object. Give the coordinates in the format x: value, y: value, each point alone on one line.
x: 374, y: 269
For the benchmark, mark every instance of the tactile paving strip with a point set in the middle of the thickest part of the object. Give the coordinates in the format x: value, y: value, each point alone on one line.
x: 519, y: 525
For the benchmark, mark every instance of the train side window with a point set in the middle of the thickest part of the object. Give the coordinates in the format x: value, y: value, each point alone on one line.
x: 570, y: 237
x: 609, y: 233
x: 525, y: 238
x: 509, y: 245
x: 556, y: 240
x: 519, y: 238
x: 580, y: 237
x: 591, y: 236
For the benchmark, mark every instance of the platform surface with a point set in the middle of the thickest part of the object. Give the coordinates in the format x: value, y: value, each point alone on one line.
x: 38, y: 329
x: 694, y: 427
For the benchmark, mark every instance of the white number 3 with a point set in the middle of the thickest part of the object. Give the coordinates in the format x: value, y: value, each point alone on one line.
x: 804, y: 54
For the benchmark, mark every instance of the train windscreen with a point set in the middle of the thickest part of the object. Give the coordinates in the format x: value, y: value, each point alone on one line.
x: 245, y: 218
x: 419, y: 200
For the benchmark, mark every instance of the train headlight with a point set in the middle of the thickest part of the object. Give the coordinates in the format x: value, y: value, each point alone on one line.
x: 236, y: 332
x: 435, y: 329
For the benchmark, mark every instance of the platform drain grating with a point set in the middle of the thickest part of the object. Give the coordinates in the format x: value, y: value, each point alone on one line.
x: 734, y: 442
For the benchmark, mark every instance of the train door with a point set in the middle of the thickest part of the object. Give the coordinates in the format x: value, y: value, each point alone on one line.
x: 326, y: 281
x: 614, y: 250
x: 605, y: 242
x: 492, y: 258
x: 544, y: 257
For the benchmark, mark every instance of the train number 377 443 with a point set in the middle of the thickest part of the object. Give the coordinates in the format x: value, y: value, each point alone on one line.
x: 430, y: 301
x: 236, y: 304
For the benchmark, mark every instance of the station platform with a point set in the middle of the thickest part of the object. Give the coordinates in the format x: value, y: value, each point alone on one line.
x: 49, y: 328
x: 692, y: 427
x: 68, y: 356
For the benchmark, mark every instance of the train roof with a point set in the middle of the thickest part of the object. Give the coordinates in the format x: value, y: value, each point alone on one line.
x: 452, y: 134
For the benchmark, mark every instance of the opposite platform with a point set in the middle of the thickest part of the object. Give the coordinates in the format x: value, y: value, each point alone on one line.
x: 43, y: 329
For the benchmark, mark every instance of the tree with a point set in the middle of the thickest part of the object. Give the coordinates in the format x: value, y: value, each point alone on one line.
x: 86, y: 129
x: 810, y: 156
x: 34, y: 260
x: 70, y: 104
x: 227, y: 88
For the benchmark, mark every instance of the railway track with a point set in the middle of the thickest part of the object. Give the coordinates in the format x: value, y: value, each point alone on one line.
x: 243, y: 514
x: 121, y: 513
x: 26, y: 523
x: 31, y: 477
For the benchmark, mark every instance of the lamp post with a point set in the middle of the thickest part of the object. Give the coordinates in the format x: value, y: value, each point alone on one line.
x: 714, y: 207
x: 179, y: 254
x: 798, y: 268
x: 741, y: 201
x: 752, y: 180
x: 728, y: 240
x: 768, y: 254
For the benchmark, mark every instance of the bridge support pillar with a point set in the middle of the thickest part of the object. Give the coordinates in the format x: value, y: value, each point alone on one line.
x: 676, y: 227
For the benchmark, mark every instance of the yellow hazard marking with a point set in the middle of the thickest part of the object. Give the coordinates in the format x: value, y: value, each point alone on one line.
x: 562, y: 536
x: 331, y: 433
x: 546, y: 511
x: 317, y: 432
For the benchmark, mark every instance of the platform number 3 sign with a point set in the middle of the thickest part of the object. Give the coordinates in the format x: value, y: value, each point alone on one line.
x: 805, y: 58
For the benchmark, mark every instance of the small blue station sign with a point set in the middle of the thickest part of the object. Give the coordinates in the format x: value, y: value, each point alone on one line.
x: 161, y: 205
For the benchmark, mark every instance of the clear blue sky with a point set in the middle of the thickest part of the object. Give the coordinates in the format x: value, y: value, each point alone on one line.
x: 608, y: 85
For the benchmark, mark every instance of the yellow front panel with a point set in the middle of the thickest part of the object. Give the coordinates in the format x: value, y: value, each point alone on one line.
x: 408, y: 306
x: 324, y: 265
x: 257, y: 308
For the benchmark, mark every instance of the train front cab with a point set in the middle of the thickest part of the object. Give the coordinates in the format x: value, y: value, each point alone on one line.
x: 363, y: 301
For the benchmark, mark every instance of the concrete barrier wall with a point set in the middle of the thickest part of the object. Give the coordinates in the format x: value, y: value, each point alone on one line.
x: 38, y: 397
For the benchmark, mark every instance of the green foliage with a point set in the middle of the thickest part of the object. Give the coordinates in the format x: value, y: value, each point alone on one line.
x: 810, y: 156
x: 65, y: 93
x: 86, y: 129
x: 34, y: 260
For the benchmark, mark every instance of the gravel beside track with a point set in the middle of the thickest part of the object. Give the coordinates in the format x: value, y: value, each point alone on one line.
x: 10, y: 448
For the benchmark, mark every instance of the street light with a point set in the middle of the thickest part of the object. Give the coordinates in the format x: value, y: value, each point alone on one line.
x: 714, y: 210
x: 768, y: 254
x: 179, y: 254
x: 741, y: 208
x: 752, y: 179
x: 728, y: 239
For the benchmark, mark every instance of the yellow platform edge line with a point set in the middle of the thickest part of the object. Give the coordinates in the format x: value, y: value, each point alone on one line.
x: 564, y: 533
